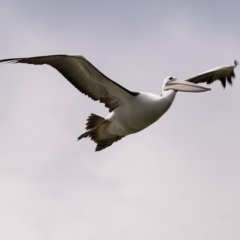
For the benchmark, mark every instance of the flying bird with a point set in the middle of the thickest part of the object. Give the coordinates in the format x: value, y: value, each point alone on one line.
x: 129, y: 112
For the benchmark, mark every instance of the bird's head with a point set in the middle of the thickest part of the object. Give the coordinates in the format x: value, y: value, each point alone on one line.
x: 172, y: 83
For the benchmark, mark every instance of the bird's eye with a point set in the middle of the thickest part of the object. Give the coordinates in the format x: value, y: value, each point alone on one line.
x: 171, y: 78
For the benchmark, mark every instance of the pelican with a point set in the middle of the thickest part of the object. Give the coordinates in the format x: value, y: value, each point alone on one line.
x: 129, y: 112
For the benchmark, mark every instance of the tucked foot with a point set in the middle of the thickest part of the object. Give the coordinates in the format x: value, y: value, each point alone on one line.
x: 84, y: 135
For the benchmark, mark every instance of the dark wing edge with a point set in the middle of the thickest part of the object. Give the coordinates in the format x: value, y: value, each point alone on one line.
x: 83, y: 75
x: 223, y: 74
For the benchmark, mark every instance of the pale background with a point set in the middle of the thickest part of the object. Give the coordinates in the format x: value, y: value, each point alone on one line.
x: 178, y: 179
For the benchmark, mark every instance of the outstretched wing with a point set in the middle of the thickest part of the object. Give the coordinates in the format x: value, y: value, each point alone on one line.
x: 85, y: 77
x: 224, y: 74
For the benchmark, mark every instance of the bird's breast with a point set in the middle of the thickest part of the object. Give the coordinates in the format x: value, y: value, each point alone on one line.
x: 145, y: 110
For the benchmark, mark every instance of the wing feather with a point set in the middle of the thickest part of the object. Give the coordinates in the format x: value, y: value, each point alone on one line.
x: 85, y: 77
x: 224, y: 74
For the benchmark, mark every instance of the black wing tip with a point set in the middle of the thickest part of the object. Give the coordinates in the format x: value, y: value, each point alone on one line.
x: 10, y: 60
x: 223, y: 81
x: 25, y: 59
x: 236, y: 63
x: 228, y: 78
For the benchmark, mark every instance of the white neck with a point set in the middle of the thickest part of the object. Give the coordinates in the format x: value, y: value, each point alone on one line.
x: 166, y: 93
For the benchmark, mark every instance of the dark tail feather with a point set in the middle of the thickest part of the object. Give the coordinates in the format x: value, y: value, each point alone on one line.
x: 96, y: 129
x: 93, y: 121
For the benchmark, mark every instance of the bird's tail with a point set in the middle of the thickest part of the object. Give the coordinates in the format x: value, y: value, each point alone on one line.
x: 96, y: 127
x: 93, y: 122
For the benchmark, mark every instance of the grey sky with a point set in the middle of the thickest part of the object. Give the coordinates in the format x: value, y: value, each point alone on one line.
x: 178, y: 179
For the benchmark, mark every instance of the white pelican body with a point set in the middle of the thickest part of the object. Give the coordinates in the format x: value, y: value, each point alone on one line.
x: 130, y: 112
x: 148, y: 107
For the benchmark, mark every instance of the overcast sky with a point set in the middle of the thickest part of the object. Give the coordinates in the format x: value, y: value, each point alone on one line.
x: 177, y: 179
